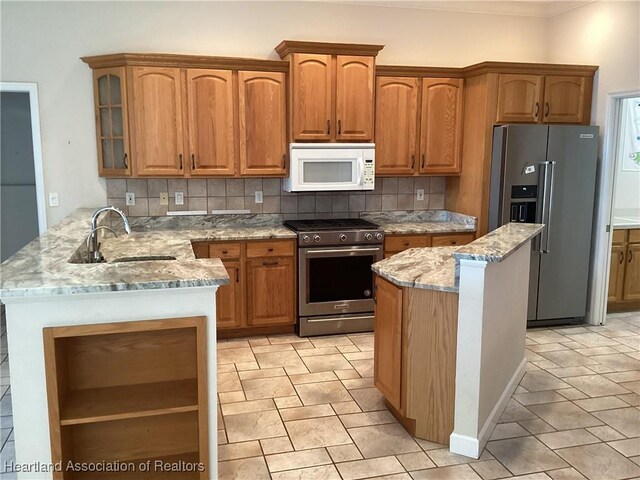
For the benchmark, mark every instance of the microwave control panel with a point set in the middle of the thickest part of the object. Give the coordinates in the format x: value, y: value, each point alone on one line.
x: 369, y: 174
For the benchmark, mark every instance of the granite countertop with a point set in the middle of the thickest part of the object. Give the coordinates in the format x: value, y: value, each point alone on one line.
x: 438, y: 268
x: 43, y: 266
x: 429, y: 221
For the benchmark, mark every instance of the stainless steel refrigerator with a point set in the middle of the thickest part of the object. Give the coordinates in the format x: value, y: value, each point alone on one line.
x: 547, y: 174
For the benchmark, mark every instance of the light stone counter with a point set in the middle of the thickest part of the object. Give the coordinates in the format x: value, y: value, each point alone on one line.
x: 422, y: 222
x: 438, y: 268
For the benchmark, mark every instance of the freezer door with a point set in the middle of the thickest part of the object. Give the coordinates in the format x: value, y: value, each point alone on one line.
x: 566, y: 244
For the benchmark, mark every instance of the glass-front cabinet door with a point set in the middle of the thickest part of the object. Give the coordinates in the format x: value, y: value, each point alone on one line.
x: 112, y: 128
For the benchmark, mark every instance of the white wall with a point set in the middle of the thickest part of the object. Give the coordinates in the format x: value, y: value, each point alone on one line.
x: 42, y: 42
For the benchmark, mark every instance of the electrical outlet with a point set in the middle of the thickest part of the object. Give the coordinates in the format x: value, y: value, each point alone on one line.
x: 164, y: 198
x: 179, y: 198
x: 420, y: 194
x: 259, y: 198
x: 130, y: 198
x: 54, y: 200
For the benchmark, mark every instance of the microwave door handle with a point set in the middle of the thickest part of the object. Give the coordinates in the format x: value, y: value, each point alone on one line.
x: 360, y: 170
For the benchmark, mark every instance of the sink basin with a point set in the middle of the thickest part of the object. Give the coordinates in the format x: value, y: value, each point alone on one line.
x: 144, y: 258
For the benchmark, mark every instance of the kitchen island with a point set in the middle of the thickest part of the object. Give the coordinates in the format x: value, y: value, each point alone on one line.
x: 449, y: 342
x: 141, y: 334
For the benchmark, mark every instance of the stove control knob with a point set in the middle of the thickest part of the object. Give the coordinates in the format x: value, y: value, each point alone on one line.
x: 306, y: 238
x: 378, y: 236
x: 343, y: 238
x: 316, y: 238
x: 368, y: 236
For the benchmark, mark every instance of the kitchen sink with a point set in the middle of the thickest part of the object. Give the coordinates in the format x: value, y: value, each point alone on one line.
x: 143, y: 258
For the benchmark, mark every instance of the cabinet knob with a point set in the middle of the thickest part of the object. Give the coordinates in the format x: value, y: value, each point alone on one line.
x: 224, y: 252
x: 271, y: 249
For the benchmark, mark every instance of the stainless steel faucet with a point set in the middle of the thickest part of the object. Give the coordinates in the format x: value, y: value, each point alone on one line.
x: 95, y: 256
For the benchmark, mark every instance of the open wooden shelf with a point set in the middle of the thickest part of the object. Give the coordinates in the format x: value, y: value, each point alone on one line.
x: 190, y: 458
x: 129, y: 401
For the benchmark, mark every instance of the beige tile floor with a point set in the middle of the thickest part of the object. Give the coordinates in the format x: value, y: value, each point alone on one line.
x: 292, y: 408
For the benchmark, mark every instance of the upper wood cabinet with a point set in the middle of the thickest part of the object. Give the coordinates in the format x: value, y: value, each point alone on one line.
x: 189, y: 115
x: 524, y: 98
x: 211, y: 126
x: 262, y: 123
x: 112, y: 122
x: 332, y: 90
x: 157, y: 128
x: 418, y: 125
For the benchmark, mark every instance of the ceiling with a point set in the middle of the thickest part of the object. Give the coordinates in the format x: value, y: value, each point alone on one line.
x: 530, y: 8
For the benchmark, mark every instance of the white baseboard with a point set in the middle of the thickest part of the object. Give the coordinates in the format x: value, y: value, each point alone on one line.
x: 472, y: 447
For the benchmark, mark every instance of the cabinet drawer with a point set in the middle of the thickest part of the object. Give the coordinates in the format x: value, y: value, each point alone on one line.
x: 282, y: 248
x: 619, y: 236
x: 224, y: 250
x: 634, y: 235
x: 451, y: 239
x: 397, y: 243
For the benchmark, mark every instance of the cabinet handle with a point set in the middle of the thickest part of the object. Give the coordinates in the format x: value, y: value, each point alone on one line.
x: 237, y: 275
x: 124, y: 160
x: 284, y: 161
x: 180, y: 158
x: 424, y: 158
x: 224, y: 252
x: 270, y: 262
x: 537, y: 109
x: 546, y: 109
x: 630, y: 256
x: 413, y: 161
x: 193, y: 161
x: 271, y: 249
x: 339, y: 127
x: 328, y: 127
x: 621, y: 258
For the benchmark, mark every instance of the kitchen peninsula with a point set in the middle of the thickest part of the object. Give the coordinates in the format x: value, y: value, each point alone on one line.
x: 449, y: 346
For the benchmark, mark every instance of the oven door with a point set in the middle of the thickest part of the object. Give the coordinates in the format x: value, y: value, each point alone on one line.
x: 336, y: 280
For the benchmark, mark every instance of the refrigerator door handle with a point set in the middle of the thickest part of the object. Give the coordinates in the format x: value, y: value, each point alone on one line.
x: 550, y: 207
x: 543, y: 199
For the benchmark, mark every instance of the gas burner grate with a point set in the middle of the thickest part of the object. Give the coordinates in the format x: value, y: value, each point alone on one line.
x: 330, y: 224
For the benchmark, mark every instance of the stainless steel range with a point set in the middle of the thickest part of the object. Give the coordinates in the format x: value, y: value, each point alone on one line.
x: 335, y: 281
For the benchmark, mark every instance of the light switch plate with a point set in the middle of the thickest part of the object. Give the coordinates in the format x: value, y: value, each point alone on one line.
x: 420, y: 194
x: 164, y: 198
x: 259, y: 198
x: 130, y: 198
x: 54, y: 200
x: 179, y: 198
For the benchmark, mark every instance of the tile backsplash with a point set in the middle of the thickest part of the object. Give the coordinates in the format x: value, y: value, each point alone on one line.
x: 398, y: 193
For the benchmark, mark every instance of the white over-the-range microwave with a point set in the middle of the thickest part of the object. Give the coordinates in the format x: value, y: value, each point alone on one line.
x: 317, y: 167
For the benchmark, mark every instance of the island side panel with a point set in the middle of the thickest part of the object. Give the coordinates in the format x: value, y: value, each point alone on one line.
x: 429, y: 337
x: 27, y: 316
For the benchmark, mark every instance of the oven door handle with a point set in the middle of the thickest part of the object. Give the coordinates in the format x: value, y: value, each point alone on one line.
x: 342, y: 250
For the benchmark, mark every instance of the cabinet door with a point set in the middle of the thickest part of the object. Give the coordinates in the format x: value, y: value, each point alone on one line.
x: 270, y: 291
x: 112, y: 125
x: 354, y: 97
x: 616, y: 273
x: 564, y: 99
x: 263, y: 127
x: 519, y: 98
x: 212, y: 135
x: 387, y: 359
x: 632, y: 273
x: 229, y: 298
x: 441, y: 126
x: 158, y: 140
x: 396, y: 125
x: 312, y: 97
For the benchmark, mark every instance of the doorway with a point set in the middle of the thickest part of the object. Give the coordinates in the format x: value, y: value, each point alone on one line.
x: 616, y: 268
x: 22, y: 204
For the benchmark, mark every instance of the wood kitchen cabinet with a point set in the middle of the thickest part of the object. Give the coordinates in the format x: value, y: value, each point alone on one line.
x: 190, y: 116
x: 418, y: 124
x: 526, y: 98
x: 250, y: 304
x: 397, y: 243
x: 332, y: 90
x: 128, y: 392
x: 415, y: 340
x: 624, y: 272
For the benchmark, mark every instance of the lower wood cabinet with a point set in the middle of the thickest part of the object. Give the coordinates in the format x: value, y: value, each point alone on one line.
x: 624, y: 273
x: 397, y: 243
x: 128, y: 392
x: 415, y: 342
x: 261, y: 289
